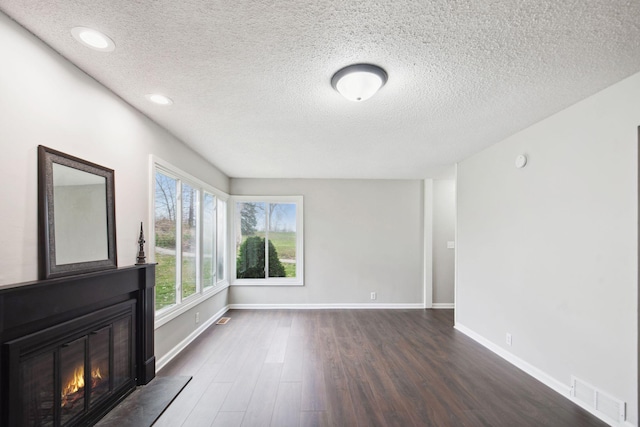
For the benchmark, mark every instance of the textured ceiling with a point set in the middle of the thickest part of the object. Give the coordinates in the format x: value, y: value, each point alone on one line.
x: 251, y: 86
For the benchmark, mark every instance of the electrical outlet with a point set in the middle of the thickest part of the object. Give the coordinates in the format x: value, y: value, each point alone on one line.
x: 509, y: 339
x: 197, y: 316
x: 373, y: 295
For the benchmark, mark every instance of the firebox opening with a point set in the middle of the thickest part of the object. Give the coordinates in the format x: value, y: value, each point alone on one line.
x: 72, y: 373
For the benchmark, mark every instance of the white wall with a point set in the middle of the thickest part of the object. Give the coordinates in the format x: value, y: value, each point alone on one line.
x: 444, y: 230
x: 549, y: 252
x: 46, y: 100
x: 361, y: 236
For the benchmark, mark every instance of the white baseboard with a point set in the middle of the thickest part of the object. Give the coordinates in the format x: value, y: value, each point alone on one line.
x: 563, y: 389
x: 443, y: 305
x: 350, y: 306
x: 162, y: 362
x: 514, y: 360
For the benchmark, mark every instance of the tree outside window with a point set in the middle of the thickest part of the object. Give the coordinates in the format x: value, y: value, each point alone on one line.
x: 267, y: 239
x: 190, y: 238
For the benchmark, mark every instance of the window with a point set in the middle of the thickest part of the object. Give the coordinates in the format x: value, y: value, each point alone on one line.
x: 189, y: 222
x: 208, y: 240
x: 189, y: 239
x: 268, y: 240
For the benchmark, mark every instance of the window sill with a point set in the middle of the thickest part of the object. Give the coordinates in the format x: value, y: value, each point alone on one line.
x: 263, y: 282
x: 171, y: 313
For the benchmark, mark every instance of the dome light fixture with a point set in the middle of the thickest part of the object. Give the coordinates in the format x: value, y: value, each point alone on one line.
x: 93, y: 39
x: 159, y: 99
x: 359, y: 82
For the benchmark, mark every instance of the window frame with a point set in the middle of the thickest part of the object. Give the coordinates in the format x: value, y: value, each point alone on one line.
x: 269, y: 281
x: 182, y: 305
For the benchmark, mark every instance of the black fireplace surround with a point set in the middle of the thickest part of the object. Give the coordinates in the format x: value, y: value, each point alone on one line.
x: 96, y: 326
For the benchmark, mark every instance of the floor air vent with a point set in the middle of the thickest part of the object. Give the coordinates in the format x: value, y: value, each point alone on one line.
x: 223, y: 321
x: 597, y: 400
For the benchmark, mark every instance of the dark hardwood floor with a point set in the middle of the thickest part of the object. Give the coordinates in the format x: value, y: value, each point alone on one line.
x: 355, y: 368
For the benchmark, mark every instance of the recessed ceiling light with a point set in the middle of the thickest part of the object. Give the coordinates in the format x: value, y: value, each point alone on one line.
x: 359, y: 82
x: 93, y: 39
x: 159, y: 99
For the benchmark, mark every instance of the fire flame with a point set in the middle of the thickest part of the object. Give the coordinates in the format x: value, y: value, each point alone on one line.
x: 76, y: 383
x: 96, y: 375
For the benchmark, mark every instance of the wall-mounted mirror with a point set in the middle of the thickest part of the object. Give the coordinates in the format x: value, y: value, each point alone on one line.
x: 76, y: 210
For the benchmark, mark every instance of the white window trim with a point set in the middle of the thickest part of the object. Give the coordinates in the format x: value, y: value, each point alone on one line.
x: 271, y: 281
x: 169, y: 313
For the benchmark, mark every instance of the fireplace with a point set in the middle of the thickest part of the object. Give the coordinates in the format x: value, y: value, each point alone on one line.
x: 73, y: 348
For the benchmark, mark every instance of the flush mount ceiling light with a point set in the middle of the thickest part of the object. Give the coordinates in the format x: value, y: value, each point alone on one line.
x: 359, y: 82
x: 93, y: 39
x: 159, y: 99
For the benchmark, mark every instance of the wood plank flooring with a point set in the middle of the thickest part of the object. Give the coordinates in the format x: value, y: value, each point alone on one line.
x: 355, y: 368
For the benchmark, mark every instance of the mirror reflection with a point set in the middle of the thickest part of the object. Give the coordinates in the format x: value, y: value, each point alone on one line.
x: 80, y: 208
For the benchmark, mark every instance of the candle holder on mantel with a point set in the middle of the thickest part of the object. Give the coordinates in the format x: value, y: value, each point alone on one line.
x: 142, y: 259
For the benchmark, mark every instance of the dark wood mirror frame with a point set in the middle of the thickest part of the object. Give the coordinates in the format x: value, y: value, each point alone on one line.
x: 48, y: 267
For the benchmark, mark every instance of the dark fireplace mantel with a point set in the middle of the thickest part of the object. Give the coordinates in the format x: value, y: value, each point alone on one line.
x: 31, y: 307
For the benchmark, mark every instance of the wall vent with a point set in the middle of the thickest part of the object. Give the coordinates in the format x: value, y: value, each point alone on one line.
x: 598, y: 401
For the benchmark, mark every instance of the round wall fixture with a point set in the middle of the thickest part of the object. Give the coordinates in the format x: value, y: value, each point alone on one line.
x: 521, y: 161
